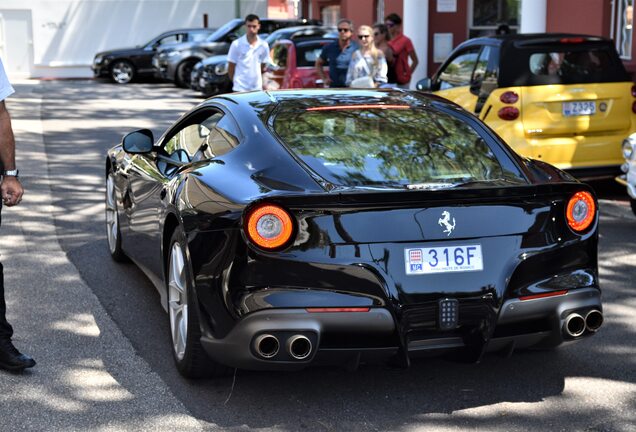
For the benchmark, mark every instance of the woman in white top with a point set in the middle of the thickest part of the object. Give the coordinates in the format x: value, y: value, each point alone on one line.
x: 368, y: 65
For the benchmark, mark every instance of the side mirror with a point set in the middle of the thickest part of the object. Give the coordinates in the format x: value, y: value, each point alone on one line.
x: 475, y: 86
x: 138, y: 142
x: 424, y: 84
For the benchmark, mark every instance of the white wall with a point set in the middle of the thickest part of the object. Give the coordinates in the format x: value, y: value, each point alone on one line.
x: 67, y: 33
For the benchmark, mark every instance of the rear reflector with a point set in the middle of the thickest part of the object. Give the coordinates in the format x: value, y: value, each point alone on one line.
x: 580, y: 211
x: 357, y: 107
x: 508, y: 113
x: 337, y: 309
x: 509, y: 97
x: 544, y: 295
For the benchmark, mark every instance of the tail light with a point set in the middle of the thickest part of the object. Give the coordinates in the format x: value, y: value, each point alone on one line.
x: 508, y: 113
x: 509, y: 97
x: 580, y: 211
x: 572, y: 40
x: 634, y: 91
x: 269, y: 226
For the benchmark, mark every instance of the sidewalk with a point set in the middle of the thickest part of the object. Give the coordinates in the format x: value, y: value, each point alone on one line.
x: 88, y: 375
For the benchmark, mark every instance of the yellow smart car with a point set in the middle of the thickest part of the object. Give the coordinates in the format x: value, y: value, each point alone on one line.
x: 560, y: 98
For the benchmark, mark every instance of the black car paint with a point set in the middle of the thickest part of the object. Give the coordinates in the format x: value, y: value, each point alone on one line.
x: 346, y: 253
x: 140, y: 56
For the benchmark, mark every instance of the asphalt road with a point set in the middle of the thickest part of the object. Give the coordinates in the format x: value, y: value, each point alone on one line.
x: 587, y: 386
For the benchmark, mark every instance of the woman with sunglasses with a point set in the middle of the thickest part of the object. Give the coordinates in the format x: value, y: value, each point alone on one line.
x: 368, y: 66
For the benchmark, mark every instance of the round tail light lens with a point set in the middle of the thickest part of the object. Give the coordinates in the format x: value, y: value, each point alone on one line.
x: 269, y: 226
x: 509, y: 97
x: 508, y: 113
x: 581, y: 211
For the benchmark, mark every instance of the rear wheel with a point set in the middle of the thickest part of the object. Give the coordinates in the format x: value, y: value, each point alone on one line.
x: 122, y: 72
x: 184, y: 70
x: 113, y: 234
x: 189, y: 356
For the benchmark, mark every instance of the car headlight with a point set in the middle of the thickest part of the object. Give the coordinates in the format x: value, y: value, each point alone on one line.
x: 220, y: 69
x: 628, y: 146
x: 98, y: 59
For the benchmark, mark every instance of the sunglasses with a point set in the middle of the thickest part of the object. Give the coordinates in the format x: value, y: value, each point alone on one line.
x: 344, y: 30
x: 363, y: 36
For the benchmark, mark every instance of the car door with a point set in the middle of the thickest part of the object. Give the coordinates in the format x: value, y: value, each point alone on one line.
x: 149, y: 178
x: 453, y: 81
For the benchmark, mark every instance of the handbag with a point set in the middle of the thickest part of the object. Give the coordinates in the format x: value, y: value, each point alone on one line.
x: 363, y: 82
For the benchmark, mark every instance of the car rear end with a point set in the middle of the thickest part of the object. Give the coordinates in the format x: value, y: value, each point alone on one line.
x: 429, y: 237
x: 566, y: 100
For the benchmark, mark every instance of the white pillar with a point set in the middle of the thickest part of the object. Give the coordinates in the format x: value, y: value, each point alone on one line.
x: 415, y: 26
x: 533, y: 16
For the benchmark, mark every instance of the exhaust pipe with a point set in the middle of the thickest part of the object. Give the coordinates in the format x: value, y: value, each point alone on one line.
x: 574, y: 325
x: 593, y: 320
x: 299, y: 347
x: 266, y: 345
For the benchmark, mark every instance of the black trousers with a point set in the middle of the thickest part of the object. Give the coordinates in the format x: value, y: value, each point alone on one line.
x: 6, y: 331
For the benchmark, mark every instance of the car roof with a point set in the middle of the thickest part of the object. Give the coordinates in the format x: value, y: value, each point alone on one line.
x: 532, y: 38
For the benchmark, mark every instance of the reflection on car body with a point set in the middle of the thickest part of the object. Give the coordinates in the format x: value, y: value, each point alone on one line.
x: 563, y: 99
x: 290, y: 228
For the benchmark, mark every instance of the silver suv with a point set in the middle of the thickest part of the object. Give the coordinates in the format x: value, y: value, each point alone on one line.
x: 175, y: 63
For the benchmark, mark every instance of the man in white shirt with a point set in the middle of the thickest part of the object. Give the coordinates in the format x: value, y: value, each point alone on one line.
x: 247, y: 57
x: 11, y: 192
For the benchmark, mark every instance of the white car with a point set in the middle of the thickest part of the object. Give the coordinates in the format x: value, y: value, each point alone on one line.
x: 629, y: 168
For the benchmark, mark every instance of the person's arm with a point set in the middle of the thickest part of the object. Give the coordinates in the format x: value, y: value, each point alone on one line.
x: 230, y: 70
x: 10, y: 188
x: 321, y: 74
x: 414, y: 61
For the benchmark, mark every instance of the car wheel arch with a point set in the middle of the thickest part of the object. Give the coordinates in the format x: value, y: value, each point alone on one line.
x: 170, y: 225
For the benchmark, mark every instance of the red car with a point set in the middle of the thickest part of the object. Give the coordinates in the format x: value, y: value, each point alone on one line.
x: 293, y: 64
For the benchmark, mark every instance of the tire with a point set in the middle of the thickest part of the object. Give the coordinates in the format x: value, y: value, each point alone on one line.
x: 113, y: 233
x: 122, y: 71
x: 182, y: 77
x: 189, y: 356
x: 632, y: 203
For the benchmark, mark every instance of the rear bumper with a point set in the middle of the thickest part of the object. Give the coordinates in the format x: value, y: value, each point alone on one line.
x: 349, y: 337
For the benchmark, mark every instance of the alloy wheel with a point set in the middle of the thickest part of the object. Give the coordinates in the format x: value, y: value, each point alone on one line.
x: 178, y: 300
x: 122, y: 72
x: 112, y: 222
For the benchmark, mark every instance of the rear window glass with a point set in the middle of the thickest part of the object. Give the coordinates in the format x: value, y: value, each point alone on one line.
x: 412, y: 148
x: 561, y: 64
x: 306, y: 55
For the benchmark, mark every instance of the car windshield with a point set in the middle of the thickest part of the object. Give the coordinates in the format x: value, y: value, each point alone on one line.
x: 396, y: 147
x: 224, y: 30
x: 197, y: 36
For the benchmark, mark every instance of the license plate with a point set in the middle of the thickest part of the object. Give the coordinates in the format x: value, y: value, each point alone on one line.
x: 578, y: 108
x: 443, y: 259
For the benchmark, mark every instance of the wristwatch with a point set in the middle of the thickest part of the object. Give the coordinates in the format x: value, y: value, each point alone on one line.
x: 12, y: 173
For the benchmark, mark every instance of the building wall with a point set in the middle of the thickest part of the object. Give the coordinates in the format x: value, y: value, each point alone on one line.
x: 67, y: 33
x: 455, y: 23
x: 579, y: 16
x: 359, y: 11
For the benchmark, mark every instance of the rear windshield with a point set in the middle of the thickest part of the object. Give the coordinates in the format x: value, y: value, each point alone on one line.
x: 306, y: 54
x: 410, y: 148
x: 562, y: 64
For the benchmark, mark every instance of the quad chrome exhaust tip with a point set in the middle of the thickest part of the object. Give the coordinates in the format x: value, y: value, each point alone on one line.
x: 593, y: 320
x: 299, y: 347
x: 574, y: 325
x: 266, y: 345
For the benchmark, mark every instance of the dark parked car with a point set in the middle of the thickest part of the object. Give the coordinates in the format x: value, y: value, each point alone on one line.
x: 290, y: 228
x: 210, y: 77
x: 125, y: 64
x: 175, y: 63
